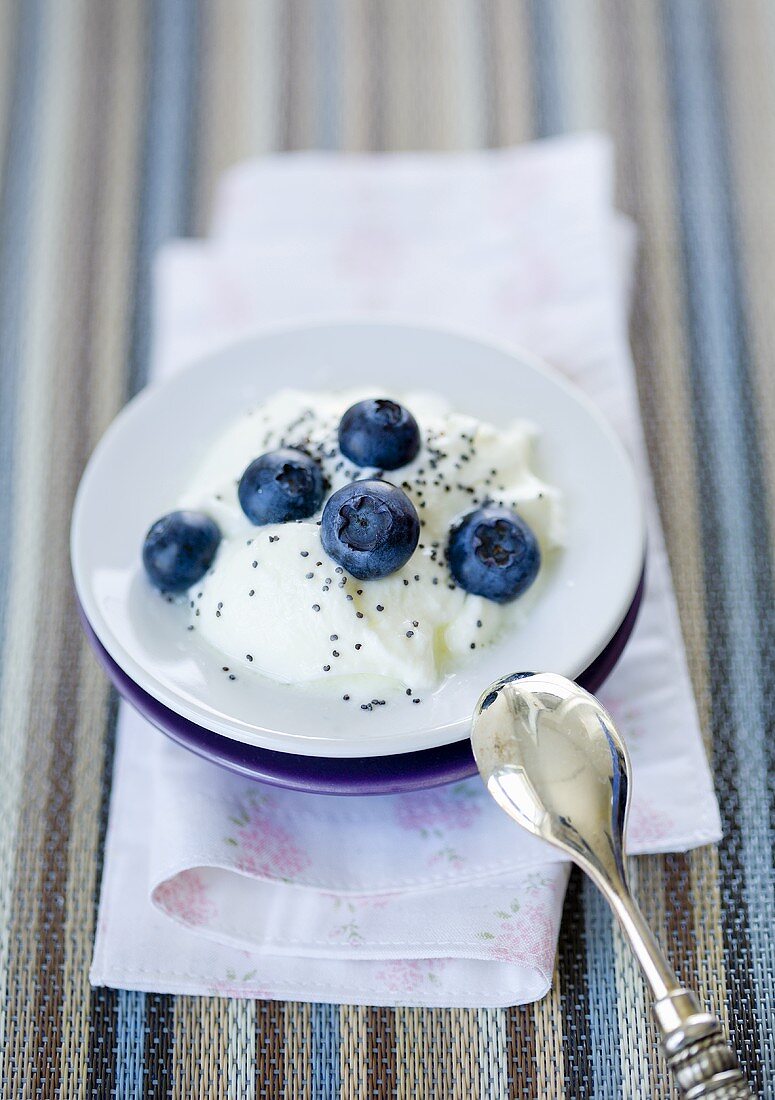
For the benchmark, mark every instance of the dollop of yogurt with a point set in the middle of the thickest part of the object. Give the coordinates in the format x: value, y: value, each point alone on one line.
x: 273, y: 602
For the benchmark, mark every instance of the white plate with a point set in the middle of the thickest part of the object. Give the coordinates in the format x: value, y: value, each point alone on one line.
x: 141, y: 465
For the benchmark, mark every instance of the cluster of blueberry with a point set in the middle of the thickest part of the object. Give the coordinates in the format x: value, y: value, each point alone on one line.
x: 369, y: 527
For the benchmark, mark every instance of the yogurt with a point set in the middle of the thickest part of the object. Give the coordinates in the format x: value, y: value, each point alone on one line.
x: 274, y: 603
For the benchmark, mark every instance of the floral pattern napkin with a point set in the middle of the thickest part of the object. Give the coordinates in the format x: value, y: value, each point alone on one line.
x: 216, y: 884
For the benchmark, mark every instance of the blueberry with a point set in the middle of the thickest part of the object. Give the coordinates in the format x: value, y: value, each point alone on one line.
x: 493, y: 553
x: 379, y: 433
x: 280, y: 486
x: 179, y: 549
x: 370, y: 527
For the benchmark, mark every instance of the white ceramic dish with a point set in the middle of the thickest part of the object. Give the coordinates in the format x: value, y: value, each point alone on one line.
x: 141, y: 464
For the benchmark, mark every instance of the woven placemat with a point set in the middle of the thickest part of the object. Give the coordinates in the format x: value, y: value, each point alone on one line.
x: 115, y: 120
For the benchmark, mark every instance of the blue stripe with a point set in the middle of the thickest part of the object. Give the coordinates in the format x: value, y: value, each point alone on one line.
x: 733, y: 499
x: 605, y: 1042
x: 325, y: 1052
x: 328, y: 20
x: 130, y: 1044
x: 16, y: 205
x: 169, y: 156
x: 547, y: 95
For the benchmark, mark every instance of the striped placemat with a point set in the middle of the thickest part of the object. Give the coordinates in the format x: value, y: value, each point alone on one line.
x: 115, y: 119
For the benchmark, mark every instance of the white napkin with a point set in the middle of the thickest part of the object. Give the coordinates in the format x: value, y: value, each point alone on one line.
x: 215, y: 884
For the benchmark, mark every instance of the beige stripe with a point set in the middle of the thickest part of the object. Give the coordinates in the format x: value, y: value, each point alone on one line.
x: 239, y: 93
x: 355, y: 75
x: 200, y: 1062
x: 408, y: 1055
x: 300, y: 88
x: 111, y: 331
x: 447, y: 1039
x: 214, y: 1012
x: 298, y: 1036
x: 183, y: 1025
x: 117, y: 230
x: 240, y: 1068
x: 427, y: 114
x: 224, y: 98
x: 186, y: 1047
x: 25, y: 708
x: 549, y: 1027
x: 353, y: 1046
x: 399, y: 59
x: 748, y: 42
x: 110, y: 319
x: 410, y: 1051
x: 461, y: 1069
x: 514, y: 64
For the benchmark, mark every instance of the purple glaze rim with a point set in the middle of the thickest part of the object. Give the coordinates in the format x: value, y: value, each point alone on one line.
x: 409, y: 771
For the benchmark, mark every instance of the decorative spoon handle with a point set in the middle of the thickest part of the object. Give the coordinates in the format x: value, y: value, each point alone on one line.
x: 697, y: 1052
x: 704, y: 1064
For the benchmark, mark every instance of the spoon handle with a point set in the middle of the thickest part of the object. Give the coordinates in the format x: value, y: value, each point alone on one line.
x: 704, y: 1064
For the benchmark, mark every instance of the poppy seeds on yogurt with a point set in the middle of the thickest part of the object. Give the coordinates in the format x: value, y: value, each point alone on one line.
x: 448, y: 481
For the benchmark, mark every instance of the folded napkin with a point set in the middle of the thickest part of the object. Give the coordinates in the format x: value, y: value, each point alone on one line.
x: 214, y: 884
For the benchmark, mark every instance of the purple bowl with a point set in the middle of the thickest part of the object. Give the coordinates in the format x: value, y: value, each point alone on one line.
x: 410, y: 771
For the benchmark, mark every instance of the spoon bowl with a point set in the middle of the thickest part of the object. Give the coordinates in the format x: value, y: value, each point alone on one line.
x: 553, y: 759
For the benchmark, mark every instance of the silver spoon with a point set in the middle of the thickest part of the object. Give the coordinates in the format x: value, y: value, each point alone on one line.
x: 551, y: 757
